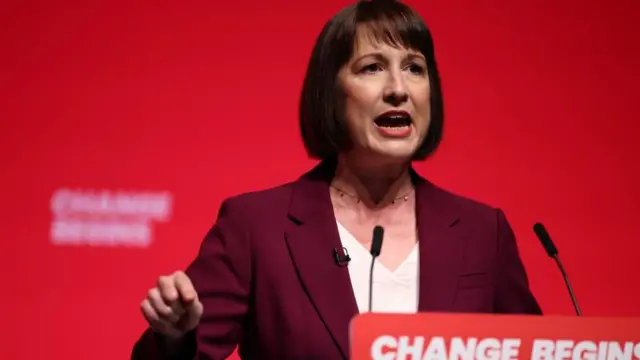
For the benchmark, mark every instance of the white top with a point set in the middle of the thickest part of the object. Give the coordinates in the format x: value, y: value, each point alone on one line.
x: 393, y: 291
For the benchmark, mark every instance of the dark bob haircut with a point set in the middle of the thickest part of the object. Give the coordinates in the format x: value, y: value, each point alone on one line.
x: 391, y: 22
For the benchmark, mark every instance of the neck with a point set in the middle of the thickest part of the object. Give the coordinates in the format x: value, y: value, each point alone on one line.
x: 374, y: 183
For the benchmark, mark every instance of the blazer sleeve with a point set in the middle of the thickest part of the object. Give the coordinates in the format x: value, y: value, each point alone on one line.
x: 221, y: 275
x: 513, y: 294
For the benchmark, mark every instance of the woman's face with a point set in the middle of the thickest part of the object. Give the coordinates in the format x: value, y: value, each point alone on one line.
x: 386, y: 98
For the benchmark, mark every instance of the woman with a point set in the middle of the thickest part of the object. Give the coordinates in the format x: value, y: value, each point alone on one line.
x: 267, y: 277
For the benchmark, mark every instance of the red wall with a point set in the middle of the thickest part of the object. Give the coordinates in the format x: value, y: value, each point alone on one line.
x: 198, y: 102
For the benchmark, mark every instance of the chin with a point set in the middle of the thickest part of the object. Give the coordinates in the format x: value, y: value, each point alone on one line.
x: 396, y: 153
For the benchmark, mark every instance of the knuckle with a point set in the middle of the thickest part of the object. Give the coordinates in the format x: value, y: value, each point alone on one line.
x: 181, y: 284
x: 168, y: 293
x: 152, y: 293
x: 163, y: 280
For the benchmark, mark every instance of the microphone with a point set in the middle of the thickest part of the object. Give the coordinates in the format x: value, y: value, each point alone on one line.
x: 552, y: 251
x: 341, y: 260
x: 376, y: 247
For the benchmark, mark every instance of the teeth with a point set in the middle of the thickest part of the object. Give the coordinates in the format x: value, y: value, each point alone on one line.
x: 395, y: 127
x: 396, y: 118
x: 393, y: 121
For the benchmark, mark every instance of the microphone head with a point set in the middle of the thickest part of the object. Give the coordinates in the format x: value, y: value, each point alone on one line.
x: 376, y: 243
x: 545, y: 239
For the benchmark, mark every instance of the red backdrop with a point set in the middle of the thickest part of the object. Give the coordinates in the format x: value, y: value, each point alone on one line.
x: 149, y: 115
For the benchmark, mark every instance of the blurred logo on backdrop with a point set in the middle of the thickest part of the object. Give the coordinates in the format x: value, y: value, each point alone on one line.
x: 107, y: 218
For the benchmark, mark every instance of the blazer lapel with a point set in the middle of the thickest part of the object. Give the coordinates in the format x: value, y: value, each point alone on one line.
x: 440, y: 247
x: 311, y: 236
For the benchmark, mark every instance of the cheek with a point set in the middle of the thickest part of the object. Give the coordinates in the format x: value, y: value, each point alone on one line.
x: 357, y: 107
x: 362, y: 98
x: 422, y: 105
x: 422, y: 98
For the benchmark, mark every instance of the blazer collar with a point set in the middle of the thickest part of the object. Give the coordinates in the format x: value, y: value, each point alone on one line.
x: 311, y: 236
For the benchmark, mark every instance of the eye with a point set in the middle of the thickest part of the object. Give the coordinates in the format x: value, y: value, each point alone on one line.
x: 371, y: 68
x: 417, y: 69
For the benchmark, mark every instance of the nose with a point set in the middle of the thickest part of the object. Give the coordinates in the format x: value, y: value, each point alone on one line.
x: 395, y: 92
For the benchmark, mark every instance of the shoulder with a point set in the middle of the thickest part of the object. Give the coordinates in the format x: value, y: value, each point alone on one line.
x: 484, y: 227
x: 277, y: 201
x: 464, y: 205
x: 263, y: 202
x: 471, y: 214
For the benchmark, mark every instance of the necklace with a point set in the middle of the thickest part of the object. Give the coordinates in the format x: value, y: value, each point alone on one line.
x: 342, y: 193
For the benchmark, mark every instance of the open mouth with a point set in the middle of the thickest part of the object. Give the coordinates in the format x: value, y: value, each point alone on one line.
x: 394, y: 123
x: 393, y: 120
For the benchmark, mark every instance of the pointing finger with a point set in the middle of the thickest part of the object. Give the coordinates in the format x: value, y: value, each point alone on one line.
x: 168, y: 289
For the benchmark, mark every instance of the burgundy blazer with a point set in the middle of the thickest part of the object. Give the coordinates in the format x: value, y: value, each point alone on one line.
x: 266, y: 276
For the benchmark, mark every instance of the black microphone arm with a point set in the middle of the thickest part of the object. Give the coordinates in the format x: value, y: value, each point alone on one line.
x: 552, y: 251
x: 376, y: 247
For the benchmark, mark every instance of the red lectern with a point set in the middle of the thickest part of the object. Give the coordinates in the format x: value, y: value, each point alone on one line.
x: 435, y: 336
